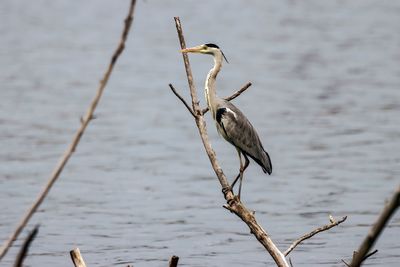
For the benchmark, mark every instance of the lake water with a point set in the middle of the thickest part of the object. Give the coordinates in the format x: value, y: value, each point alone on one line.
x: 325, y: 101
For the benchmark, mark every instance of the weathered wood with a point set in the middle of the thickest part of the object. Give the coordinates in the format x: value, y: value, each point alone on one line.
x: 76, y: 258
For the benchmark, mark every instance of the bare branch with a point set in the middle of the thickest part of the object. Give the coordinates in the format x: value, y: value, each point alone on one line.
x: 370, y: 254
x: 173, y: 262
x: 235, y: 205
x: 290, y: 262
x: 183, y: 100
x: 376, y: 229
x: 233, y: 96
x: 76, y: 258
x: 25, y: 247
x: 201, y: 125
x: 238, y: 92
x: 314, y: 232
x: 85, y: 121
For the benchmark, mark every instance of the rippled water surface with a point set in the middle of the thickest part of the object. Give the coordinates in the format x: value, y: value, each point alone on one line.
x: 325, y: 100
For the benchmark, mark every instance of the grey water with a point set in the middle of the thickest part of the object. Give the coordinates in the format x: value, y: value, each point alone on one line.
x: 325, y: 101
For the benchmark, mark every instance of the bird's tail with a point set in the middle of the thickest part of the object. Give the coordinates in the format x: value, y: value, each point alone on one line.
x: 267, y: 165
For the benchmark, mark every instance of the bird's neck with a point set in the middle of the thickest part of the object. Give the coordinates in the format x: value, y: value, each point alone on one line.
x: 210, y: 91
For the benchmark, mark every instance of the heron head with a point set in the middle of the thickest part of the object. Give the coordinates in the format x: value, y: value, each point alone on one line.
x: 210, y: 49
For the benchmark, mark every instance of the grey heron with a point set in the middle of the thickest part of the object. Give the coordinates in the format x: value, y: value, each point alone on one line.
x: 231, y: 123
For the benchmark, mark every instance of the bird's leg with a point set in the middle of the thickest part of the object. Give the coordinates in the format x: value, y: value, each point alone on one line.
x: 240, y: 170
x: 246, y: 164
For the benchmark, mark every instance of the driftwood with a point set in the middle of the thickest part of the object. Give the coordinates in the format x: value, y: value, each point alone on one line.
x: 77, y: 137
x: 233, y: 202
x: 76, y: 258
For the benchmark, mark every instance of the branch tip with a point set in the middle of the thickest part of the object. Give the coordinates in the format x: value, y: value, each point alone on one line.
x: 314, y: 232
x: 182, y: 100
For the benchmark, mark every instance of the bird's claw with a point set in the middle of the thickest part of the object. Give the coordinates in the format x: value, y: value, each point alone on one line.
x: 231, y: 201
x: 226, y: 189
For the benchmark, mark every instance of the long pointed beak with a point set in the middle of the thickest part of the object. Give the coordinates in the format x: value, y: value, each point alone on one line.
x: 195, y: 49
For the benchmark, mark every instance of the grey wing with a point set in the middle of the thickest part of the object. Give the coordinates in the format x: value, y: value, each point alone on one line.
x: 237, y: 129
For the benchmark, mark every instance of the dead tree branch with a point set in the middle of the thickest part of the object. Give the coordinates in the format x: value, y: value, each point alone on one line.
x: 76, y: 258
x: 84, y: 123
x: 234, y: 204
x: 25, y: 247
x: 326, y: 227
x: 361, y: 254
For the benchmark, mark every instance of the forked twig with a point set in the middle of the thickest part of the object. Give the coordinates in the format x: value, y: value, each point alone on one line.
x: 84, y: 123
x: 312, y: 233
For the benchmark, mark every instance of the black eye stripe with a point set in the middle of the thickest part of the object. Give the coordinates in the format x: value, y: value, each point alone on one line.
x: 212, y: 45
x: 216, y: 46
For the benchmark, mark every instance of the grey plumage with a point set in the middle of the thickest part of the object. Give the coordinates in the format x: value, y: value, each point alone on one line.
x: 235, y: 128
x: 231, y: 123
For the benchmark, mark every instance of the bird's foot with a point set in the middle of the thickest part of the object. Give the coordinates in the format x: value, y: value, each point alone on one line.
x: 236, y: 198
x: 226, y: 189
x: 233, y: 200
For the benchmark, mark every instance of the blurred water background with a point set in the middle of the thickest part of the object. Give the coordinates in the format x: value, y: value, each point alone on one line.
x: 325, y: 100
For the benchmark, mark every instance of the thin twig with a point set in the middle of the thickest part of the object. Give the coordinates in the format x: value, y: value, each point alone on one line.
x: 67, y: 154
x: 233, y: 96
x: 312, y: 233
x: 77, y: 258
x: 376, y: 229
x: 290, y: 262
x: 183, y: 100
x: 173, y: 262
x: 235, y: 205
x: 25, y: 247
x: 345, y: 263
x: 370, y: 254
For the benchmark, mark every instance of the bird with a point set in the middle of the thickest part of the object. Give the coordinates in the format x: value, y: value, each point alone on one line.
x: 231, y: 123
